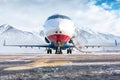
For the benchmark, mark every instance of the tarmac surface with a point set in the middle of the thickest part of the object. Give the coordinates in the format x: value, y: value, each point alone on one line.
x: 59, y: 67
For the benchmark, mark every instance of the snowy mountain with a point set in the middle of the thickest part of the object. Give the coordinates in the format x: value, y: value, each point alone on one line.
x: 4, y: 28
x: 15, y: 36
x: 97, y: 37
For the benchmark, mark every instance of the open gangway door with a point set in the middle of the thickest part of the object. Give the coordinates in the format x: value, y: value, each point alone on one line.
x: 78, y: 40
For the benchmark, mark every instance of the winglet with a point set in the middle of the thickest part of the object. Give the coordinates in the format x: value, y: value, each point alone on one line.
x: 116, y: 44
x: 4, y: 44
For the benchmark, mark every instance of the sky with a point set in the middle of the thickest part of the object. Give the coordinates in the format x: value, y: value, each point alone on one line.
x: 30, y: 15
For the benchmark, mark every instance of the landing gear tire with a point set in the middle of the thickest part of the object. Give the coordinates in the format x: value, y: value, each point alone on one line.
x: 47, y: 51
x: 69, y: 51
x: 58, y: 51
x: 50, y: 51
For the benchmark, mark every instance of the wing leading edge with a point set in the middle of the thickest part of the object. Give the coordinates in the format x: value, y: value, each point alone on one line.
x: 44, y: 45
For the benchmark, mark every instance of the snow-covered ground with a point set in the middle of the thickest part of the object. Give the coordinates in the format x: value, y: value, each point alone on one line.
x: 60, y: 67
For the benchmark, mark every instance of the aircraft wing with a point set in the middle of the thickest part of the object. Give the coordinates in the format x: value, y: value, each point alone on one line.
x: 44, y: 45
x: 115, y: 44
x: 81, y: 42
x: 107, y: 45
x: 77, y: 44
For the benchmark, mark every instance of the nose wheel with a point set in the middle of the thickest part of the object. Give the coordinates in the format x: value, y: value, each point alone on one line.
x: 58, y: 50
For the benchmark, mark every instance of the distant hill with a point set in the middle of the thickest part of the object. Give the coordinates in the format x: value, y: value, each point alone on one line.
x: 15, y: 36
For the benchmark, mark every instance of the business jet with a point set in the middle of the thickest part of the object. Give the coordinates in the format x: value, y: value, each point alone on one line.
x: 60, y: 34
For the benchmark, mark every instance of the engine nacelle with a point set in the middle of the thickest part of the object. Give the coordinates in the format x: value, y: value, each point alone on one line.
x: 70, y: 41
x: 47, y: 41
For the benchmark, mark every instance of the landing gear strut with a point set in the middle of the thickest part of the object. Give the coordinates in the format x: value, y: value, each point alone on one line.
x: 58, y: 50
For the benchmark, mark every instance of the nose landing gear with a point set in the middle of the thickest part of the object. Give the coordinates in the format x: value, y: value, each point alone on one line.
x: 58, y: 50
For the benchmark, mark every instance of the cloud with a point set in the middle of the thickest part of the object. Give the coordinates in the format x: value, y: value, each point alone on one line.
x: 105, y: 6
x: 98, y: 19
x: 31, y: 15
x: 25, y: 14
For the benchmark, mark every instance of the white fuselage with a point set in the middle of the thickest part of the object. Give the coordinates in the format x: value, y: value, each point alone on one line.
x: 59, y: 29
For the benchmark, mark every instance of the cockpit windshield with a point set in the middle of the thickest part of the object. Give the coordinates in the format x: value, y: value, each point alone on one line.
x: 58, y: 16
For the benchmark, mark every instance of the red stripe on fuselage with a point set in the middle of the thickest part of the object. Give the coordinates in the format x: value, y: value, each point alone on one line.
x: 59, y: 37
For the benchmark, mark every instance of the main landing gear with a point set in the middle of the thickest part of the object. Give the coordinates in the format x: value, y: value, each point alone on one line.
x: 49, y: 51
x: 69, y: 51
